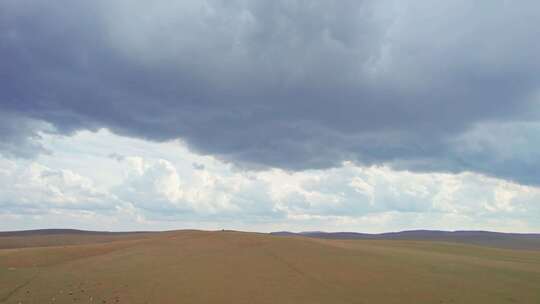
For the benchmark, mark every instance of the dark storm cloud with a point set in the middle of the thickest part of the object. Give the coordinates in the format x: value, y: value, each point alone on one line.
x: 19, y: 136
x: 292, y: 84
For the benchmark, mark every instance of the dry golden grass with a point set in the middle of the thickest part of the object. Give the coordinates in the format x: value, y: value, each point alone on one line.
x: 236, y: 267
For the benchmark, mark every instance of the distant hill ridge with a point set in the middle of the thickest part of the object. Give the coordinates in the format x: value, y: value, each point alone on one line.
x: 348, y: 234
x: 525, y: 241
x: 37, y: 232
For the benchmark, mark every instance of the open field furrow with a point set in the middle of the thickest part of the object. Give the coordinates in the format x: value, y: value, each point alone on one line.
x: 16, y: 289
x: 337, y: 288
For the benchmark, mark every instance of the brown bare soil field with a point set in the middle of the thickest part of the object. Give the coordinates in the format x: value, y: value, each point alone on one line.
x: 237, y: 267
x: 62, y: 237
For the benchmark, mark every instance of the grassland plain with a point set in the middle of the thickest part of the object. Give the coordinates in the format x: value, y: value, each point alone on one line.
x: 237, y: 267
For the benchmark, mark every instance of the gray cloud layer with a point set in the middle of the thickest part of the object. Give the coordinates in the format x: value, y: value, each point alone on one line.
x: 291, y: 84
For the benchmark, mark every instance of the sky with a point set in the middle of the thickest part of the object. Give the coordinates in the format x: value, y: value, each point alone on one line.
x: 255, y: 115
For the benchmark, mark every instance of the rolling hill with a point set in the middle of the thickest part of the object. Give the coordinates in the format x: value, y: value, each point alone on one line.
x: 236, y: 267
x: 525, y: 241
